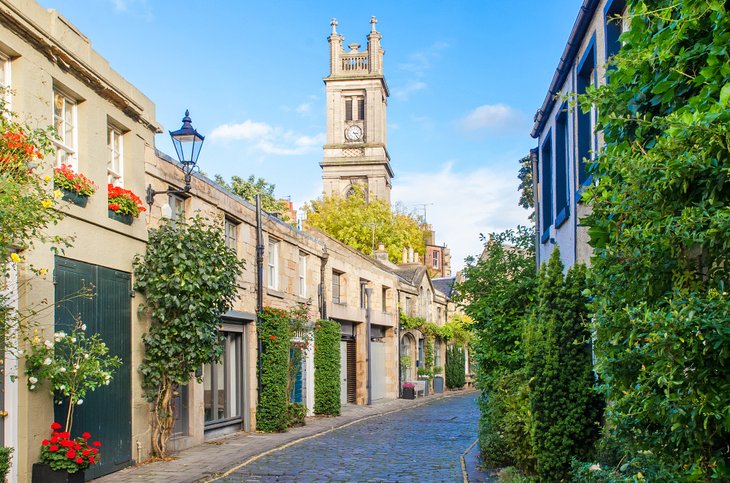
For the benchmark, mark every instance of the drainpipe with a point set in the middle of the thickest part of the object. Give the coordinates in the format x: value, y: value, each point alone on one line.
x: 398, y: 331
x: 322, y: 267
x: 368, y: 320
x: 259, y: 285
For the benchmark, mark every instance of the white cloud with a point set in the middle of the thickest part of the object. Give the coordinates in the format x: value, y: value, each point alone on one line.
x: 494, y: 118
x: 267, y: 139
x: 465, y: 204
x: 408, y: 89
x: 304, y: 108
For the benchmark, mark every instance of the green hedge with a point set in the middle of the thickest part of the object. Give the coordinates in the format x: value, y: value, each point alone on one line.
x: 6, y: 454
x: 327, y: 368
x: 455, y: 367
x: 272, y: 413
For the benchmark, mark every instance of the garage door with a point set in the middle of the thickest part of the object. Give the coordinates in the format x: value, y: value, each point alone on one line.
x: 377, y: 352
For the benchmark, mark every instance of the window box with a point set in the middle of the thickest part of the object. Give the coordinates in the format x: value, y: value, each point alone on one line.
x: 123, y: 218
x: 73, y: 197
x: 42, y: 473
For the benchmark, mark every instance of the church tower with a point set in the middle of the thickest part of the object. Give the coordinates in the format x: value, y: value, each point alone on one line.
x: 355, y: 152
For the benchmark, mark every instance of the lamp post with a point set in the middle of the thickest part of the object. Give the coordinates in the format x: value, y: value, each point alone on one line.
x: 187, y: 142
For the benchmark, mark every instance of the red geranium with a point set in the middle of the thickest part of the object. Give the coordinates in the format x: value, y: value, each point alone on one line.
x: 124, y: 201
x: 78, y: 455
x: 65, y: 178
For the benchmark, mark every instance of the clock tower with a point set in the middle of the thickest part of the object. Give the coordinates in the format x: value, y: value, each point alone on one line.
x: 355, y: 152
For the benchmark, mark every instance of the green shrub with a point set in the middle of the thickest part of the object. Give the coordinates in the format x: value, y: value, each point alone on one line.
x: 565, y: 409
x: 272, y: 413
x: 6, y: 454
x: 455, y: 367
x: 327, y: 368
x: 296, y: 414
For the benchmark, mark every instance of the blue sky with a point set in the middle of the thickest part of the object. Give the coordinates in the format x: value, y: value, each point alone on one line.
x: 465, y: 77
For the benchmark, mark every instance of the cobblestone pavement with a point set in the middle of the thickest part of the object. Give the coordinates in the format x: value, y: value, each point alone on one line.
x: 420, y: 444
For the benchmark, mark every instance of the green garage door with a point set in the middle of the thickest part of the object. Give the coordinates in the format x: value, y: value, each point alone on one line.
x: 106, y: 412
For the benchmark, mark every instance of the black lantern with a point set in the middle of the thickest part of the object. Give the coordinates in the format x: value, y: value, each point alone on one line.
x: 187, y: 142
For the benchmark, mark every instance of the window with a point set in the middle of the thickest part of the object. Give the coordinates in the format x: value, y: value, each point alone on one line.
x: 437, y: 353
x: 64, y: 120
x: 5, y: 78
x: 363, y: 293
x: 273, y: 262
x: 348, y: 109
x: 546, y: 186
x: 302, y: 274
x: 435, y: 259
x: 561, y: 167
x: 384, y: 299
x: 115, y: 164
x: 177, y: 207
x: 336, y: 286
x: 222, y: 382
x: 616, y: 24
x: 409, y: 306
x: 354, y: 109
x: 586, y: 121
x: 361, y: 109
x: 231, y: 234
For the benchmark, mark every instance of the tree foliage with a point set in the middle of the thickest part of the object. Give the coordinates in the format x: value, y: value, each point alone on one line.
x: 353, y: 219
x: 252, y: 186
x: 455, y: 367
x: 327, y: 368
x: 565, y: 411
x: 188, y: 276
x: 659, y: 229
x: 526, y: 188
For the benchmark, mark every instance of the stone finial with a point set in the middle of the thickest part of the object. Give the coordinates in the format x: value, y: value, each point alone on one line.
x: 353, y: 47
x: 333, y: 22
x: 373, y: 21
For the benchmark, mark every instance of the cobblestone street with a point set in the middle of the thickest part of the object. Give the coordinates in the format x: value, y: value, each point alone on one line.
x: 420, y: 444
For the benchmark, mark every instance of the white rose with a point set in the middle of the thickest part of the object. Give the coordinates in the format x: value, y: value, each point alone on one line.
x: 33, y: 380
x: 62, y: 387
x: 83, y: 326
x: 32, y: 386
x: 79, y: 402
x: 47, y: 361
x: 61, y: 369
x: 73, y: 340
x: 86, y: 356
x: 48, y: 344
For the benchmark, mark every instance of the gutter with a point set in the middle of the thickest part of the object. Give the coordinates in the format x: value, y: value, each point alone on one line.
x: 585, y: 15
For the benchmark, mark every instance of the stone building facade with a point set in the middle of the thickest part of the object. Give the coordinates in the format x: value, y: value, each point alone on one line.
x: 567, y: 136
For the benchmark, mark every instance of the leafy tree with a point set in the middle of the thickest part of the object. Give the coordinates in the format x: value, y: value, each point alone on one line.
x: 455, y: 367
x: 526, y: 189
x: 188, y: 276
x: 351, y: 220
x: 249, y: 188
x: 659, y: 229
x: 565, y: 411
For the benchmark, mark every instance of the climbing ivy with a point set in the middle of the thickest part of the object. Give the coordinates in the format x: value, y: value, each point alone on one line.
x: 659, y: 228
x: 272, y: 413
x: 327, y: 368
x: 188, y: 276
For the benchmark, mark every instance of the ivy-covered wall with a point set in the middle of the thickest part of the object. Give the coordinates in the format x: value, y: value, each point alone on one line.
x: 274, y: 333
x: 327, y: 368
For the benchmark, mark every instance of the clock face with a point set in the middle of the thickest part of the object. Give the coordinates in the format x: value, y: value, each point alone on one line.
x: 353, y: 133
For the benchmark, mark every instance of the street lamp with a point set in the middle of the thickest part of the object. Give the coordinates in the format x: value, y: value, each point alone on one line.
x: 187, y: 142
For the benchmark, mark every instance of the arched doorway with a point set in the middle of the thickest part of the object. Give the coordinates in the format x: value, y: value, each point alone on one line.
x: 407, y: 357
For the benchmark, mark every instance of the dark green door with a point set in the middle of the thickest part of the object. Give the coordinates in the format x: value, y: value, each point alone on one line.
x: 106, y: 412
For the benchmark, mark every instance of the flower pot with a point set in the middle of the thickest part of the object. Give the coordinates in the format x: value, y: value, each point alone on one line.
x: 438, y: 384
x: 42, y: 473
x: 75, y: 198
x: 126, y: 219
x: 409, y: 393
x: 427, y: 383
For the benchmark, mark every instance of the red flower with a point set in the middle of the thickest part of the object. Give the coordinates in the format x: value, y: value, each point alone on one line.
x: 53, y: 448
x: 97, y: 444
x: 70, y: 454
x: 86, y: 435
x: 272, y: 337
x: 45, y: 442
x: 86, y: 452
x: 55, y: 426
x: 77, y: 446
x: 91, y: 460
x: 94, y: 450
x: 79, y: 461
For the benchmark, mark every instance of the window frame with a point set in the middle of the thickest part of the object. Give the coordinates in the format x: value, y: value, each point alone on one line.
x: 303, y: 257
x: 585, y: 124
x: 337, y: 287
x: 232, y: 382
x: 115, y: 177
x: 546, y: 186
x: 562, y: 160
x: 62, y: 145
x: 230, y: 233
x: 6, y: 82
x: 435, y: 259
x: 272, y: 264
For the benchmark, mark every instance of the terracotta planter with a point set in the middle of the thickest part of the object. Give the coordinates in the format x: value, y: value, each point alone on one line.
x: 126, y: 219
x: 75, y: 198
x: 42, y: 473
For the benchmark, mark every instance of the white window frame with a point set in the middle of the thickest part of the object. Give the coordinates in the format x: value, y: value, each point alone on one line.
x: 114, y: 134
x: 231, y: 234
x: 6, y: 80
x: 64, y: 146
x: 435, y: 259
x: 273, y: 264
x: 303, y: 274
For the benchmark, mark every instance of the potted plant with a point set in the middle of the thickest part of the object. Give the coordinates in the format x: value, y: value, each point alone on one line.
x: 64, y: 459
x: 123, y: 204
x: 409, y: 390
x: 75, y: 187
x: 73, y: 364
x: 424, y: 374
x: 438, y: 380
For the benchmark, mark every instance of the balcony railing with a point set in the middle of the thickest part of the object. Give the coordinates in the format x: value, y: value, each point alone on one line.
x: 355, y: 62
